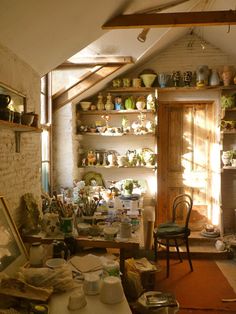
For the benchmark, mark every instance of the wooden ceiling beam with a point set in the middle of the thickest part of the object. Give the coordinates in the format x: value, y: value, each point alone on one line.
x: 68, y: 95
x: 92, y: 61
x: 180, y: 19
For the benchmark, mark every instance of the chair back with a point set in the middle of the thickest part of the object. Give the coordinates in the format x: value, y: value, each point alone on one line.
x: 183, y: 203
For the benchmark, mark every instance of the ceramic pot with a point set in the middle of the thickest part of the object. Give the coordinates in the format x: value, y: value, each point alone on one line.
x: 109, y: 104
x: 100, y: 104
x: 163, y: 79
x: 140, y: 105
x: 227, y: 75
x: 176, y: 76
x: 136, y: 82
x: 226, y: 158
x: 214, y: 78
x: 148, y: 79
x: 187, y: 77
x: 111, y: 290
x: 51, y: 224
x: 202, y: 75
x: 67, y: 224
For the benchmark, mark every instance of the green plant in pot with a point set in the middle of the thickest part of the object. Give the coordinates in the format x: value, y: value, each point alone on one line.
x: 227, y: 101
x: 128, y: 187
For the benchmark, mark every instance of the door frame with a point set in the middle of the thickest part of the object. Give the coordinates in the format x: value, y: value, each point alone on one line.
x: 215, y: 147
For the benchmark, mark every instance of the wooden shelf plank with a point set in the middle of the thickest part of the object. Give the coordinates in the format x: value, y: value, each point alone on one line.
x: 118, y: 167
x: 18, y: 127
x: 102, y: 112
x: 121, y: 134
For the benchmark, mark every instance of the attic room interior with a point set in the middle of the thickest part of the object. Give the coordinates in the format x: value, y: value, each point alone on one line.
x: 117, y: 155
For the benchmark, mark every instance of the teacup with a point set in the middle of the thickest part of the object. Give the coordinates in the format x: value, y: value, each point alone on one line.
x: 91, y: 284
x: 77, y: 300
x: 111, y: 290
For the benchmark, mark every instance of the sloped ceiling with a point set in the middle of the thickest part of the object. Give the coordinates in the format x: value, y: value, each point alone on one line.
x: 46, y: 33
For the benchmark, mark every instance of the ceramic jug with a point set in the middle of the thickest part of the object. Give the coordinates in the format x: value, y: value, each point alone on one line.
x: 214, y: 78
x: 4, y: 100
x: 202, y: 75
x: 227, y: 75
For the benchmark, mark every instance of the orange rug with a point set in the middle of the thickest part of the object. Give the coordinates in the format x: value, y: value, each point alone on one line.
x: 200, y: 291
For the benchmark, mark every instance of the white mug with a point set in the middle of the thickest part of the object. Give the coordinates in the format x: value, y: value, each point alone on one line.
x: 111, y: 290
x: 77, y: 300
x: 233, y: 162
x: 91, y: 284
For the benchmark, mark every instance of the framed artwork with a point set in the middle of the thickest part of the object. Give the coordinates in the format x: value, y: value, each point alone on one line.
x: 12, y: 250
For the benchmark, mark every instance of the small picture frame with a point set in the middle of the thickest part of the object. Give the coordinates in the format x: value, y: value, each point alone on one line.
x: 12, y: 250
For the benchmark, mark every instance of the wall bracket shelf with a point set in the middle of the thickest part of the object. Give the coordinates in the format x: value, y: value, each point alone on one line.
x: 18, y: 129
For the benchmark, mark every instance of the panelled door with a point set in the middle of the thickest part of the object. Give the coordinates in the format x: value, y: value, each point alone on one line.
x: 185, y: 138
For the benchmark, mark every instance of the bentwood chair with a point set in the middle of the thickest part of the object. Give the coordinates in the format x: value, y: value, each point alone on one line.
x: 172, y: 233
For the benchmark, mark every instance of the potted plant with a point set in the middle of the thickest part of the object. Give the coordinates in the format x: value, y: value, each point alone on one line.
x: 128, y: 187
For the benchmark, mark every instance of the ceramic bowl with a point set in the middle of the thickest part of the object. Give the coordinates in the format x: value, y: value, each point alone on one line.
x: 55, y: 262
x: 27, y: 118
x: 85, y: 105
x: 110, y: 233
x: 111, y: 290
x: 148, y: 79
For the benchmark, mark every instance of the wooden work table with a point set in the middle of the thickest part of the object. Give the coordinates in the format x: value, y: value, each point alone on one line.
x: 126, y: 246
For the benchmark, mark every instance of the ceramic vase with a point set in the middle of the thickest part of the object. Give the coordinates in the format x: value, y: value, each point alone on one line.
x: 202, y: 75
x: 51, y: 224
x: 227, y: 75
x: 163, y: 79
x: 176, y: 76
x: 109, y: 104
x: 214, y: 79
x: 100, y: 104
x: 226, y: 158
x: 187, y: 77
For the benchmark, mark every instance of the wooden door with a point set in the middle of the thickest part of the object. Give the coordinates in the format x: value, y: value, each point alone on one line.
x: 184, y: 146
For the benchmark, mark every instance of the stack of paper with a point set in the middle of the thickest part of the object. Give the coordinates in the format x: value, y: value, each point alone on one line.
x: 86, y: 263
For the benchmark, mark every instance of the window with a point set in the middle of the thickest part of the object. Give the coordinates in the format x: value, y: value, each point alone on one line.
x: 46, y: 119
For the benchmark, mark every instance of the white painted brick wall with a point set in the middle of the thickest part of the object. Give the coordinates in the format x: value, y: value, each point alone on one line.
x: 179, y: 56
x: 19, y: 172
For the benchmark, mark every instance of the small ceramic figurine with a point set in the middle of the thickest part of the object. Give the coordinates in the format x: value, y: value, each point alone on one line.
x: 109, y: 104
x: 100, y: 104
x: 91, y: 158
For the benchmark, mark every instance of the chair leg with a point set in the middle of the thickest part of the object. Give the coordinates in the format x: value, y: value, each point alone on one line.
x: 177, y: 249
x: 188, y: 253
x: 167, y: 258
x: 155, y: 249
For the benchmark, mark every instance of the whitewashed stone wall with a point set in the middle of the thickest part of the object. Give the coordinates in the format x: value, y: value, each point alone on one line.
x: 63, y: 161
x: 19, y: 172
x: 186, y: 54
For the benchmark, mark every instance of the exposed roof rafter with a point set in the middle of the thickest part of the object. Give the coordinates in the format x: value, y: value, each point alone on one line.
x: 180, y: 19
x: 92, y: 61
x: 87, y: 81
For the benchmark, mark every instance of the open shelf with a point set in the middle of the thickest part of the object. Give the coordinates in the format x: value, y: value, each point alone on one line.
x: 118, y: 167
x: 18, y: 129
x: 116, y: 135
x: 102, y: 112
